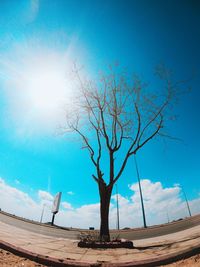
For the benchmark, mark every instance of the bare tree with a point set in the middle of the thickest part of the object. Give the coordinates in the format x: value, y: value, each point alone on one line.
x: 119, y: 113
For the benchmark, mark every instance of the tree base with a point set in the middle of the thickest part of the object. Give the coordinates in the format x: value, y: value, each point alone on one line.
x: 112, y: 244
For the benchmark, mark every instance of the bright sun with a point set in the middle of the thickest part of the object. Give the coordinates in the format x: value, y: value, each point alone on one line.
x: 46, y: 88
x: 38, y: 86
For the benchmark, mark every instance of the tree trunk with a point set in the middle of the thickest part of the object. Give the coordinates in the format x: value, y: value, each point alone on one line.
x: 105, y: 195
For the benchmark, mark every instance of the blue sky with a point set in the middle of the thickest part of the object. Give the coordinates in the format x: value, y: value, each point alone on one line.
x: 138, y: 35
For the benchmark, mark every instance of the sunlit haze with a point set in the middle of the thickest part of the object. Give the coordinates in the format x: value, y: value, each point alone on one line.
x: 39, y: 86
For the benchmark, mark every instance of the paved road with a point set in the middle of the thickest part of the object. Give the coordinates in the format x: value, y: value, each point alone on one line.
x: 159, y: 230
x: 38, y: 228
x: 132, y: 234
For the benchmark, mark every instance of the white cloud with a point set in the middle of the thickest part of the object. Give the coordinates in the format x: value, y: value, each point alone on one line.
x: 70, y: 193
x: 157, y: 201
x: 44, y: 195
x: 17, y: 202
x: 66, y: 205
x: 122, y: 200
x: 46, y: 200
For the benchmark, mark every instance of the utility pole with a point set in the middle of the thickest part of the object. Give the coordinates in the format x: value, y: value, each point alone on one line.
x: 141, y: 197
x: 42, y: 213
x: 188, y: 207
x: 117, y: 208
x: 168, y: 216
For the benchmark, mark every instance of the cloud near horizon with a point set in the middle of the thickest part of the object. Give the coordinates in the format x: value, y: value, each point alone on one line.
x: 159, y: 203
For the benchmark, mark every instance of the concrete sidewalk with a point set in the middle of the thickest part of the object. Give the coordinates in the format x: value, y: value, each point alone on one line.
x: 147, y: 252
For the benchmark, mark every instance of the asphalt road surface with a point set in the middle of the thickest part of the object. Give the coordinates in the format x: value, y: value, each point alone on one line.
x: 38, y: 228
x: 132, y: 234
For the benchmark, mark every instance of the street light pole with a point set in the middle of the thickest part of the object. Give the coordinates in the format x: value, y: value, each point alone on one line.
x: 117, y: 208
x: 188, y: 207
x: 141, y: 197
x: 42, y: 213
x: 168, y: 216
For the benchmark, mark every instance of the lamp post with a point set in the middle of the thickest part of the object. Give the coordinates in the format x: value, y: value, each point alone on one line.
x: 141, y: 197
x: 168, y: 216
x: 42, y: 213
x: 117, y: 208
x: 188, y: 207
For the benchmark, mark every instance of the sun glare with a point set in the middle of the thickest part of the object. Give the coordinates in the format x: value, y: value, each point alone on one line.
x: 46, y: 88
x: 39, y: 87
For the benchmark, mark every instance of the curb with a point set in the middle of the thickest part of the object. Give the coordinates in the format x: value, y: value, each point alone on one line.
x: 46, y: 260
x: 49, y: 261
